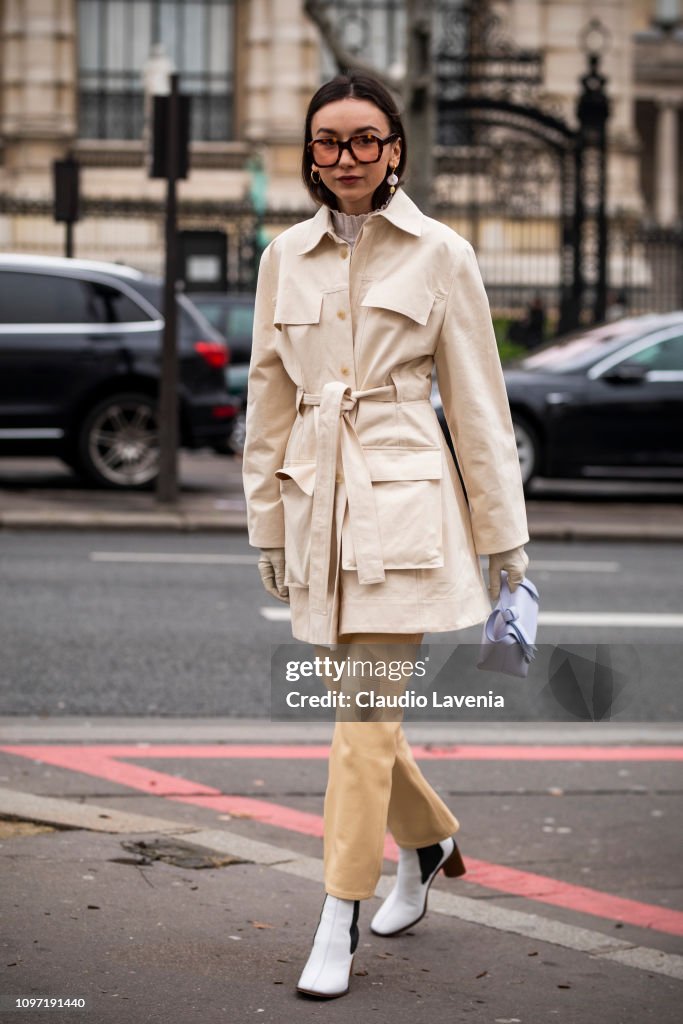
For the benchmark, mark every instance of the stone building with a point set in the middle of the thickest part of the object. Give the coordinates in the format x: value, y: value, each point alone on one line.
x: 72, y: 81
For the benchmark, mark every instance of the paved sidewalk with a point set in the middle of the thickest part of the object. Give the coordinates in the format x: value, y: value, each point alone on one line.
x: 158, y: 897
x: 43, y: 494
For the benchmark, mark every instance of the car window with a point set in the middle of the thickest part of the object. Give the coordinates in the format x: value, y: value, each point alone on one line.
x: 42, y: 299
x: 33, y: 298
x: 665, y: 355
x: 233, y: 321
x: 240, y: 321
x: 108, y: 305
x: 214, y: 313
x: 193, y: 318
x: 577, y: 351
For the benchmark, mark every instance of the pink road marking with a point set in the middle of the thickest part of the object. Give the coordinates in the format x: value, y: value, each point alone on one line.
x: 149, y: 781
x: 97, y: 762
x: 455, y: 752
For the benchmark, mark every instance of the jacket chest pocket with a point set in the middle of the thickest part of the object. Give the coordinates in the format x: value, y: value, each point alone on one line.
x: 406, y: 486
x: 410, y: 301
x: 297, y: 311
x: 297, y: 483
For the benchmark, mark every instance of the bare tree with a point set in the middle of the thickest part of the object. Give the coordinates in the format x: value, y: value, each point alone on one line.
x: 414, y: 90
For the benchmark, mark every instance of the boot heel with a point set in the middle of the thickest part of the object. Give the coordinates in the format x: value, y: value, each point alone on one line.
x: 454, y: 866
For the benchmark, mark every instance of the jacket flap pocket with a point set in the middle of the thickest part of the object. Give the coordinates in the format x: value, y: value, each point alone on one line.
x: 411, y: 302
x: 296, y: 307
x: 302, y: 473
x: 404, y: 463
x: 407, y: 490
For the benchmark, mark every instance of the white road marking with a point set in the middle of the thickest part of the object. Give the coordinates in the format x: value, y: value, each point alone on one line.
x: 644, y: 620
x: 160, y: 557
x: 556, y: 565
x: 639, y: 620
x: 276, y: 614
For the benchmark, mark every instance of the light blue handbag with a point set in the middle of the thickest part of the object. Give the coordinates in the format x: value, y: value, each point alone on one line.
x: 509, y: 633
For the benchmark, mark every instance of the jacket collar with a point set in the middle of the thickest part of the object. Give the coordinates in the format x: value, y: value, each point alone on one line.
x: 401, y: 211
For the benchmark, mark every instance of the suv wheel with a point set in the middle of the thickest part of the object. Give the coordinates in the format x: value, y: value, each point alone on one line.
x: 118, y: 443
x: 528, y: 448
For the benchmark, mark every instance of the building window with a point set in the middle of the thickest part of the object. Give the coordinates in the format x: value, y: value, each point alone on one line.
x: 376, y: 32
x: 115, y: 38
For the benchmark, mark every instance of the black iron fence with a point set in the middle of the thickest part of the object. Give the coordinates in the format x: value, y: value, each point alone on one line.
x: 518, y: 253
x: 519, y: 261
x: 647, y: 271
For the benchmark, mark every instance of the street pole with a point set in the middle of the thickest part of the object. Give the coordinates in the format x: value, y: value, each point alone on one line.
x: 66, y: 178
x: 419, y: 102
x: 167, y: 481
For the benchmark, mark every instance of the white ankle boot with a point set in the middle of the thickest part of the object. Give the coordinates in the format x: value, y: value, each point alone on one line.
x: 406, y: 904
x: 328, y: 969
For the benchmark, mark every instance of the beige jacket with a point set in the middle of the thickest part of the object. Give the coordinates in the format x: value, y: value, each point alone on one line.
x: 345, y: 465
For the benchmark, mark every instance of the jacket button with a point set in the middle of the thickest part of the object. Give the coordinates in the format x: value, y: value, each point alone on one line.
x: 344, y: 253
x: 345, y: 370
x: 341, y: 314
x: 339, y: 478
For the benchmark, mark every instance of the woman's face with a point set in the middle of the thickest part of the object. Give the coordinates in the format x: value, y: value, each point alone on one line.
x: 354, y: 182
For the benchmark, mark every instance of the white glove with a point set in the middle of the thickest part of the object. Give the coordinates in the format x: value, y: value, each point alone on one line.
x: 515, y: 563
x: 271, y: 566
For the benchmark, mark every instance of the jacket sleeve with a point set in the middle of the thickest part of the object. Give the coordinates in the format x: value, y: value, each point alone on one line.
x: 477, y: 412
x: 271, y: 412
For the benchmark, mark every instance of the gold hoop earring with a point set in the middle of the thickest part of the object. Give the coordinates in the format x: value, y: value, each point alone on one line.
x: 316, y: 181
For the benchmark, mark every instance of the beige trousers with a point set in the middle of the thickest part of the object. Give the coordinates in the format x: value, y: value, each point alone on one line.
x: 373, y: 779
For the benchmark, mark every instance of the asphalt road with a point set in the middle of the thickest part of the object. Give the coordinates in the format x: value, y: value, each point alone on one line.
x: 168, y: 624
x: 569, y: 911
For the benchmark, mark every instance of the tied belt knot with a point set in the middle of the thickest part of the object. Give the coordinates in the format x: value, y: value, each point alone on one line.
x: 337, y: 437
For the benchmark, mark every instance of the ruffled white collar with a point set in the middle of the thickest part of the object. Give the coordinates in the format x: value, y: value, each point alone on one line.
x: 347, y: 225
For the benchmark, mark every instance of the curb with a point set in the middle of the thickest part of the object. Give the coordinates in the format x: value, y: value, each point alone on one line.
x: 650, y: 532
x: 210, y: 523
x: 47, y: 810
x: 143, y: 730
x: 179, y: 521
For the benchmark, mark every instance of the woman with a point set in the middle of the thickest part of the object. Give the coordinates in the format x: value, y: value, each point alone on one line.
x: 352, y: 494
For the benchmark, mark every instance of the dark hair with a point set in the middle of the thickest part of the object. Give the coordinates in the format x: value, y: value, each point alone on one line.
x: 362, y: 86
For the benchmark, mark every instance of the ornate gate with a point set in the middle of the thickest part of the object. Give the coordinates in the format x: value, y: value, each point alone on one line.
x: 510, y: 173
x: 543, y: 182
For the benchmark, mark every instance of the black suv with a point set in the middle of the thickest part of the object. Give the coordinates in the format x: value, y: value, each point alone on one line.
x: 232, y: 313
x: 80, y: 361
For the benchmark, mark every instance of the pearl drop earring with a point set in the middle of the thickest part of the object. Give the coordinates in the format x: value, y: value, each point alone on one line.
x: 392, y: 181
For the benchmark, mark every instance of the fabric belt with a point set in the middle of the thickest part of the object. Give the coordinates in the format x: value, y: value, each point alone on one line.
x: 337, y: 436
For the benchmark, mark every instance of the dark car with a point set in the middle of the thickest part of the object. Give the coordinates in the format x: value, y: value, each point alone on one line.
x: 603, y: 403
x: 232, y: 313
x: 80, y: 350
